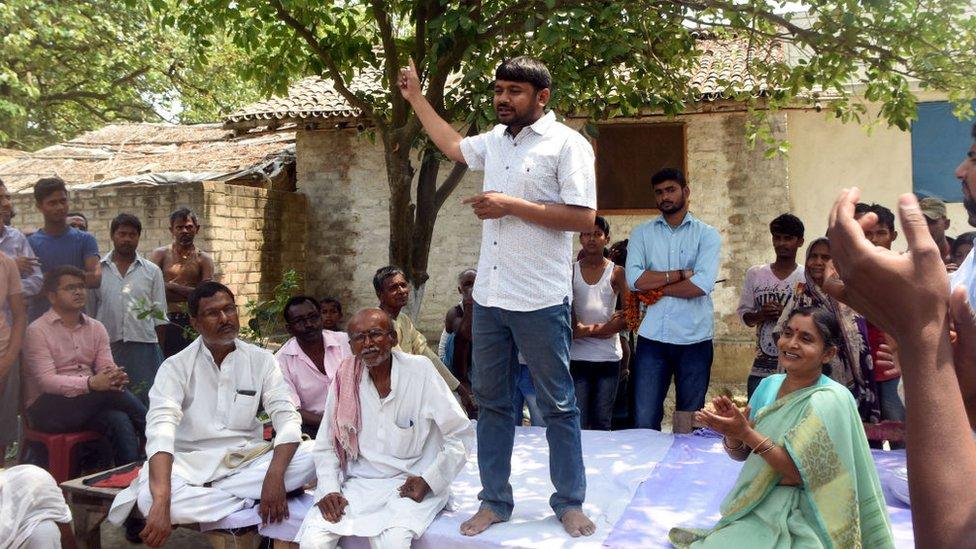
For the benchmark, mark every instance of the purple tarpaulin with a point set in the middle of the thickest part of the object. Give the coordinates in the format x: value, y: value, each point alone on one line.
x: 687, y: 488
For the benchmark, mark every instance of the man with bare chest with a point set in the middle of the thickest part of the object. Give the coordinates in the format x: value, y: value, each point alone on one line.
x: 184, y: 268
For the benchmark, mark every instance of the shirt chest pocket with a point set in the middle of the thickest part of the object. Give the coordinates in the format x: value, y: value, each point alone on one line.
x: 536, y: 181
x: 243, y: 410
x: 405, y: 442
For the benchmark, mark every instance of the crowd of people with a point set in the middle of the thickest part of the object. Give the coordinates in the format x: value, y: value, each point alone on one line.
x: 380, y: 420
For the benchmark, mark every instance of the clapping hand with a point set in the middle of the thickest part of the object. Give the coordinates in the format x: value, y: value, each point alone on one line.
x: 727, y: 419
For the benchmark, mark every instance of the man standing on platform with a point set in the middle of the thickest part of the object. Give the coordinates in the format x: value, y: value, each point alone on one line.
x: 539, y: 189
x: 129, y: 281
x: 679, y: 255
x: 184, y: 268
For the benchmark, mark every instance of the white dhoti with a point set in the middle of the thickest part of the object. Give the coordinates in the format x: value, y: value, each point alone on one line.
x: 236, y: 489
x: 31, y: 505
x: 391, y: 538
x: 375, y: 511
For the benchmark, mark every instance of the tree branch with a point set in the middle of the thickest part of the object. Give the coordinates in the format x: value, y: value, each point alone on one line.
x: 398, y: 115
x: 340, y: 85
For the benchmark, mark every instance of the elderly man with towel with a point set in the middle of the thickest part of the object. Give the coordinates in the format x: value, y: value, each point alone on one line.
x: 391, y: 442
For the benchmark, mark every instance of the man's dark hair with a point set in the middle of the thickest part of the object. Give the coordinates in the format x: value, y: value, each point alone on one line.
x: 78, y: 214
x: 295, y: 301
x: 668, y: 174
x: 787, y: 224
x: 182, y: 213
x: 383, y: 273
x: 603, y: 224
x: 861, y: 208
x: 46, y: 186
x: 330, y: 299
x: 885, y: 217
x: 206, y: 289
x: 124, y: 219
x: 53, y: 277
x: 525, y: 69
x: 962, y: 240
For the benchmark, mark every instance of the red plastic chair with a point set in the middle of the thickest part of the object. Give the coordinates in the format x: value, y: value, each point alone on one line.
x: 60, y: 446
x: 60, y: 449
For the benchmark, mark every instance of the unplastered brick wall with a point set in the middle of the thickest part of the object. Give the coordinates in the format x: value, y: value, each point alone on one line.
x: 734, y: 188
x: 253, y: 234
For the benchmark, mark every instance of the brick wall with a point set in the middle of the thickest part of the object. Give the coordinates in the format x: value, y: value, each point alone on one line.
x: 734, y: 189
x: 253, y: 234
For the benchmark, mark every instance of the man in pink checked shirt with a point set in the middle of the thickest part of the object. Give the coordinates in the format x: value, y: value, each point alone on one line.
x: 72, y: 382
x: 310, y: 359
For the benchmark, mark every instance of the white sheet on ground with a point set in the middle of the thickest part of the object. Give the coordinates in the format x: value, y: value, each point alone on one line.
x: 616, y: 463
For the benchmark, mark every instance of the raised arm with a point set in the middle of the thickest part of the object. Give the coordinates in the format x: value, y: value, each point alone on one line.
x: 942, y: 453
x: 447, y: 139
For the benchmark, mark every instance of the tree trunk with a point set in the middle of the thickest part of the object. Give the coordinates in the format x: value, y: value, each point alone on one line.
x: 399, y: 173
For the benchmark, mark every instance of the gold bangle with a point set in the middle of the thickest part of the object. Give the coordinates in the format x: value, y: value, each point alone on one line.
x: 760, y: 445
x: 766, y: 449
x: 727, y: 447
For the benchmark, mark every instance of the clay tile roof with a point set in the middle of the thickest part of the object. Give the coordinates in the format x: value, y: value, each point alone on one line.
x: 724, y: 63
x: 312, y: 97
x: 730, y: 63
x: 144, y: 153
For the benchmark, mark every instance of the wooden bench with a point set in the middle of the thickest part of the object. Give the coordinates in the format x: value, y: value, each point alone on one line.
x: 90, y: 506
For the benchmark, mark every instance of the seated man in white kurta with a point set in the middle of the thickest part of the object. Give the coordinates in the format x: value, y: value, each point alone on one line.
x: 207, y: 455
x: 390, y: 443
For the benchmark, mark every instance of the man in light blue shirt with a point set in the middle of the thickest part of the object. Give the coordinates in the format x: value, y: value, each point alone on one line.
x: 679, y: 255
x: 131, y: 285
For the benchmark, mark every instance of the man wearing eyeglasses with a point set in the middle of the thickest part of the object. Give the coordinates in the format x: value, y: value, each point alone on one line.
x: 310, y: 359
x: 391, y: 442
x: 206, y: 450
x: 72, y: 382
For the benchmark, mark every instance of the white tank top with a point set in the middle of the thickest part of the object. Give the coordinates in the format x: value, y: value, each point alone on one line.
x: 594, y: 305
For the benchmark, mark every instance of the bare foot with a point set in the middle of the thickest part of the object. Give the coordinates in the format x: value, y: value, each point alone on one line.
x: 577, y: 524
x: 480, y: 522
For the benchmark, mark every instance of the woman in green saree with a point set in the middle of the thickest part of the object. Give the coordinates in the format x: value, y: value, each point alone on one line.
x: 808, y: 479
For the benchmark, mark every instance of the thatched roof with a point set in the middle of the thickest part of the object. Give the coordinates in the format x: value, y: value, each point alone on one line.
x: 724, y: 63
x: 156, y: 154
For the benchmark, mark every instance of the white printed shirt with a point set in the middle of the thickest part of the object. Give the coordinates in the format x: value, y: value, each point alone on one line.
x: 524, y: 266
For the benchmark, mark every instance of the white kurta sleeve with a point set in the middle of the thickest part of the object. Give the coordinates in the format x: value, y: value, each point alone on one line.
x: 165, y: 409
x: 327, y: 468
x: 441, y: 407
x: 276, y: 397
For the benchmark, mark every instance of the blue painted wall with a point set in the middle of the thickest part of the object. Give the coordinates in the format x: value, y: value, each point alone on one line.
x: 939, y: 143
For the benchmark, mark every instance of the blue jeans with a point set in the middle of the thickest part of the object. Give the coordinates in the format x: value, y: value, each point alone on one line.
x: 524, y: 395
x: 543, y: 337
x: 655, y: 364
x: 891, y: 405
x: 596, y: 391
x: 119, y: 416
